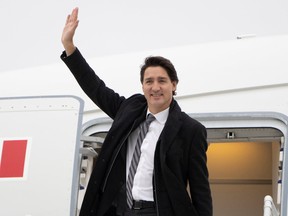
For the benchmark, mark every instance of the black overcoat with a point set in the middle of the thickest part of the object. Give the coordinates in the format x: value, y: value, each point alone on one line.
x: 180, y: 155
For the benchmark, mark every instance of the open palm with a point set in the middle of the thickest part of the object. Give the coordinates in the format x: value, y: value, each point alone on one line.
x: 69, y: 31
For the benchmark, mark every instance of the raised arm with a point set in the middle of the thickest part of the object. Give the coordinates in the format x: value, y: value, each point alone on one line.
x: 69, y: 31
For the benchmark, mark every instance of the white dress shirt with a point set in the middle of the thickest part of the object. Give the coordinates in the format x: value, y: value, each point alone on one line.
x: 143, y: 183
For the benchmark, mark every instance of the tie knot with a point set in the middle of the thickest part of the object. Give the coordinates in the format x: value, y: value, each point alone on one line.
x: 150, y: 118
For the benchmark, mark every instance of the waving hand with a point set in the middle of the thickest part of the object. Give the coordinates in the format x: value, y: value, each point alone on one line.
x: 69, y: 31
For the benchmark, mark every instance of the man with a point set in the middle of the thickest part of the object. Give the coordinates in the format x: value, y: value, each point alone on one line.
x: 172, y: 154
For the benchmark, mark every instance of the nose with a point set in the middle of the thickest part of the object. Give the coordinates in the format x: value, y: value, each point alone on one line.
x: 155, y: 86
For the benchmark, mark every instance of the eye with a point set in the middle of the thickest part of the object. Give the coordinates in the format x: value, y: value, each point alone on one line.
x: 148, y: 81
x: 162, y: 80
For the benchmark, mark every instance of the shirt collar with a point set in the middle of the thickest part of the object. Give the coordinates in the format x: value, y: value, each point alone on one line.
x: 161, y: 116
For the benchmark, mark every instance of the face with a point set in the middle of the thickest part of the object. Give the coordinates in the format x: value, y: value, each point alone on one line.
x: 158, y: 88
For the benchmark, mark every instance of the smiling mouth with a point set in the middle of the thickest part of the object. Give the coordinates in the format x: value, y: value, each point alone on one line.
x: 156, y: 95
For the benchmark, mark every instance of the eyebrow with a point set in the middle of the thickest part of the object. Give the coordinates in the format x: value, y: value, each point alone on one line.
x: 158, y: 78
x: 163, y: 78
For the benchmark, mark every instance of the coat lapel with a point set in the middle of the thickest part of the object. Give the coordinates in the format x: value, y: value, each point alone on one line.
x: 171, y: 128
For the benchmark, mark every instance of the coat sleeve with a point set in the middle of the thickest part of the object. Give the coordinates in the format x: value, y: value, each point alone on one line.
x: 198, y: 172
x: 105, y: 98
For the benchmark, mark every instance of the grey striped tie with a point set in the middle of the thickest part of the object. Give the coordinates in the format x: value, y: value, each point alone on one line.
x: 136, y: 156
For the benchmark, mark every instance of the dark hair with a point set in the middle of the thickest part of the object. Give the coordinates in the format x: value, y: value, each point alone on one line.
x: 154, y: 61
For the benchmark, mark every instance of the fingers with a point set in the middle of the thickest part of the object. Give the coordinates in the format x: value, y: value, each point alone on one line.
x: 67, y: 19
x: 73, y: 17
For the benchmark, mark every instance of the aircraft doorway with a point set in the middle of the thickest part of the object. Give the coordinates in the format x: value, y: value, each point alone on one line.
x: 243, y: 167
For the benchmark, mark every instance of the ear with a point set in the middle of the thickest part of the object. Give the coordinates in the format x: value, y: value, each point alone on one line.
x: 174, y: 84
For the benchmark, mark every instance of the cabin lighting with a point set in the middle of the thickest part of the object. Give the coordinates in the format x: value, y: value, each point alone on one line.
x: 230, y: 135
